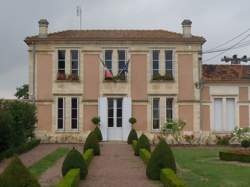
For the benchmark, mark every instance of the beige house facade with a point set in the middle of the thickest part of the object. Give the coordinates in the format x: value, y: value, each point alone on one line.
x: 157, y: 76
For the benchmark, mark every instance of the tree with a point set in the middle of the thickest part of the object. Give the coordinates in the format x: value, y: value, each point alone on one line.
x: 22, y: 92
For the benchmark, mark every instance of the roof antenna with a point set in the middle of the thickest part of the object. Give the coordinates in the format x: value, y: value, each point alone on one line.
x: 79, y: 13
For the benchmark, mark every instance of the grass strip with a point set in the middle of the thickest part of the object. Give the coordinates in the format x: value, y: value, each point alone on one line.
x: 46, y: 162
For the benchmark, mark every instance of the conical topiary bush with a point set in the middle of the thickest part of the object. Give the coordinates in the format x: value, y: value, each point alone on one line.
x: 161, y: 157
x: 98, y: 133
x: 17, y: 175
x: 92, y: 143
x: 132, y: 136
x: 143, y: 143
x: 74, y: 159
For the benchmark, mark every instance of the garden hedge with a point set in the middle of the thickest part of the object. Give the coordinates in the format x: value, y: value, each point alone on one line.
x: 134, y: 144
x: 170, y: 179
x: 92, y: 143
x: 71, y: 179
x: 73, y: 160
x: 143, y: 143
x: 17, y: 175
x: 88, y: 156
x: 145, y: 155
x: 21, y: 149
x: 161, y: 157
x: 98, y: 133
x: 132, y: 136
x: 234, y: 156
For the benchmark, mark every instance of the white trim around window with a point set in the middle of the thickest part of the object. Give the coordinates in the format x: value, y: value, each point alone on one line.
x: 74, y: 117
x: 60, y: 114
x: 153, y: 111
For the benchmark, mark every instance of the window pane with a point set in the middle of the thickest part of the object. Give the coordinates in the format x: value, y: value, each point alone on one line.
x: 74, y: 113
x: 156, y: 113
x: 74, y: 102
x: 121, y: 54
x: 61, y: 54
x: 155, y: 65
x: 156, y: 124
x: 119, y: 122
x: 156, y: 103
x: 119, y: 113
x: 156, y: 54
x: 169, y: 55
x: 110, y: 103
x: 60, y: 113
x: 74, y: 123
x: 61, y: 65
x: 110, y: 122
x: 60, y: 102
x: 110, y: 113
x: 218, y: 114
x: 108, y: 55
x: 74, y: 64
x: 59, y: 123
x: 230, y: 114
x: 119, y: 103
x: 74, y: 55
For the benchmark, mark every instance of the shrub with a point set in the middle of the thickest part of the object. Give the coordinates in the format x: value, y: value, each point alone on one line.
x: 145, y: 155
x: 223, y: 140
x: 17, y: 175
x: 98, y: 133
x: 162, y: 157
x: 71, y: 179
x: 134, y: 144
x: 132, y: 136
x: 73, y: 160
x: 143, y: 143
x: 170, y: 179
x: 96, y: 120
x: 92, y: 143
x: 245, y: 143
x: 88, y: 156
x: 132, y: 120
x: 234, y: 156
x: 6, y: 122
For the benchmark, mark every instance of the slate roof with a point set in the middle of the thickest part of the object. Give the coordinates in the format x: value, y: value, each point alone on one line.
x: 163, y: 36
x: 225, y: 73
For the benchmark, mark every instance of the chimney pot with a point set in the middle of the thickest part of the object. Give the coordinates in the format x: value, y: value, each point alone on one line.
x: 43, y: 28
x: 186, y: 28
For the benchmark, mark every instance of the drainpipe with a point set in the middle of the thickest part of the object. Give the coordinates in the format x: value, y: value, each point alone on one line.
x: 200, y: 83
x: 34, y: 72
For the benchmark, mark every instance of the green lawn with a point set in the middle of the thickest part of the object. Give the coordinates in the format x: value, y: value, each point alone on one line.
x: 46, y: 162
x: 201, y: 167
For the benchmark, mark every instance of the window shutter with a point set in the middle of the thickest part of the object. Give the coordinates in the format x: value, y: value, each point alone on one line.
x: 103, y: 114
x: 126, y: 114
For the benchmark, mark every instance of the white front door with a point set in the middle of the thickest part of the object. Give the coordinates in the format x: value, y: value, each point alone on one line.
x: 115, y: 122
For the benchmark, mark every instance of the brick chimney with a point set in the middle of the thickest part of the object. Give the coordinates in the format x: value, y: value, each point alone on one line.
x: 186, y: 28
x: 43, y: 28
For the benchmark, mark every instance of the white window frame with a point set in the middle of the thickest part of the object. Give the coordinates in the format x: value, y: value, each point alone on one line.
x: 114, y: 99
x: 159, y: 117
x: 172, y: 61
x: 224, y: 117
x: 152, y: 61
x: 77, y: 119
x: 78, y: 61
x: 104, y: 58
x: 58, y: 60
x: 63, y: 128
x: 173, y: 107
x: 118, y: 60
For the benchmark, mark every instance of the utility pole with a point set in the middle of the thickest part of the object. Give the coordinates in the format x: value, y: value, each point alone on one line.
x: 79, y: 13
x: 235, y: 60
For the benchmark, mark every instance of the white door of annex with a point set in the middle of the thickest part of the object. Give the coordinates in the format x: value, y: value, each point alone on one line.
x: 114, y: 114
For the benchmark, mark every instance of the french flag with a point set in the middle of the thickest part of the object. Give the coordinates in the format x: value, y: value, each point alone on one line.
x: 107, y: 73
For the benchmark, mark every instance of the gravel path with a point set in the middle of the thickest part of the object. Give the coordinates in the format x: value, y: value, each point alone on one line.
x: 117, y: 167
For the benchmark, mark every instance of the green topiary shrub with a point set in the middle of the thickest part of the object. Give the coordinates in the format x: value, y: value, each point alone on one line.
x: 134, y: 144
x: 98, y: 133
x: 75, y: 160
x: 245, y: 143
x: 143, y: 143
x: 132, y: 136
x: 17, y: 175
x: 145, y: 155
x: 161, y: 157
x: 92, y: 143
x: 88, y: 156
x: 170, y: 179
x: 71, y: 179
x: 234, y: 156
x: 96, y: 120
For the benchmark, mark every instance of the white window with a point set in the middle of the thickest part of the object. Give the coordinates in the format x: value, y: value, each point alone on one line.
x: 74, y: 113
x: 60, y: 113
x: 169, y: 109
x: 108, y: 59
x: 74, y: 55
x: 115, y: 112
x: 224, y: 114
x: 155, y: 62
x: 169, y: 62
x: 156, y: 113
x: 61, y: 61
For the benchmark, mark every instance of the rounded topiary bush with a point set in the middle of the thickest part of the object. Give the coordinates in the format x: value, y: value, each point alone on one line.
x: 98, y: 133
x: 74, y: 159
x: 92, y: 143
x: 161, y: 157
x: 245, y: 143
x: 132, y: 136
x: 17, y: 175
x: 143, y: 143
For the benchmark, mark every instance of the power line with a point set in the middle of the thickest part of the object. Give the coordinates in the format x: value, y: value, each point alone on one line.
x: 227, y: 49
x: 220, y: 45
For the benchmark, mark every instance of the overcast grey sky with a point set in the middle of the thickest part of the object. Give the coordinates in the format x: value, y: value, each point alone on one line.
x: 216, y: 20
